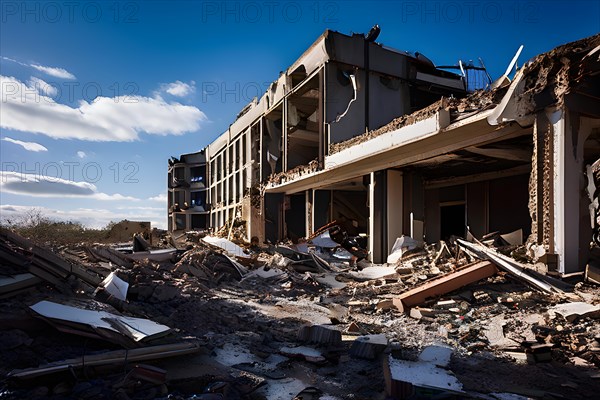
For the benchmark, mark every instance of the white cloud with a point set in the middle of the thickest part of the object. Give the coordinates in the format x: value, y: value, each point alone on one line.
x: 118, y: 119
x: 93, y: 218
x: 160, y: 198
x: 52, y: 71
x: 179, y: 89
x: 38, y: 185
x: 43, y: 87
x: 81, y: 154
x: 29, y: 146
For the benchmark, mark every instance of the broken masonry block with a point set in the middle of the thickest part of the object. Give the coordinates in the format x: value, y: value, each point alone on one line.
x: 322, y: 334
x: 368, y: 347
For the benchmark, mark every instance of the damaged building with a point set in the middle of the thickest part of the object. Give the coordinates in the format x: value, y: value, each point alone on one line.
x: 388, y: 144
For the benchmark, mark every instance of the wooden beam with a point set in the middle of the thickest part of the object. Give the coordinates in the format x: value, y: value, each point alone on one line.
x: 117, y: 357
x: 444, y: 284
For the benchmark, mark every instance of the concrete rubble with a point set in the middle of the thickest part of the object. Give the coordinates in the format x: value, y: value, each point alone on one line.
x: 223, y: 320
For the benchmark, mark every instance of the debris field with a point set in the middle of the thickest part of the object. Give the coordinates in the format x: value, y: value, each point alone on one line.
x: 202, y: 317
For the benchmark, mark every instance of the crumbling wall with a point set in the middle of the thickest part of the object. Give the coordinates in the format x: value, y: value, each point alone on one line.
x: 534, y: 193
x: 548, y: 78
x: 123, y: 231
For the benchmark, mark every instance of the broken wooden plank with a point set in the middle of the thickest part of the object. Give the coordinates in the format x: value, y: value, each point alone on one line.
x: 47, y: 260
x: 444, y: 284
x: 117, y: 357
x: 61, y: 285
x: 35, y: 249
x: 111, y: 255
x: 11, y: 285
x: 8, y: 256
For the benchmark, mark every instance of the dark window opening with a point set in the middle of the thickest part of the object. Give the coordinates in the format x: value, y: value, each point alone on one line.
x: 452, y: 221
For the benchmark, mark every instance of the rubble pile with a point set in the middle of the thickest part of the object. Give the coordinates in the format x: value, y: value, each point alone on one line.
x: 307, y: 320
x: 301, y: 170
x: 474, y: 102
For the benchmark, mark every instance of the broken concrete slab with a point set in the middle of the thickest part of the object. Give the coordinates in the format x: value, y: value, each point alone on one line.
x: 513, y: 238
x: 115, y: 286
x: 371, y: 273
x: 226, y: 245
x: 401, y: 246
x: 405, y: 379
x: 111, y: 255
x: 494, y: 332
x: 574, y: 310
x: 264, y: 272
x: 329, y: 280
x: 158, y: 255
x: 321, y: 334
x: 437, y: 354
x: 14, y: 284
x: 307, y: 353
x: 102, y: 323
x: 369, y: 346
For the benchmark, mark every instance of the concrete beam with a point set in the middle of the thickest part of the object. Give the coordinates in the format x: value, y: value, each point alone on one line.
x: 425, y: 146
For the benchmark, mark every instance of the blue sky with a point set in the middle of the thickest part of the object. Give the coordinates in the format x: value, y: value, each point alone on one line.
x: 96, y: 96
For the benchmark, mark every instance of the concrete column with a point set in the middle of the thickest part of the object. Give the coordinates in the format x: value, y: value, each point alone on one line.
x: 569, y: 183
x: 378, y: 223
x: 308, y: 201
x: 284, y: 136
x: 394, y: 207
x: 371, y: 215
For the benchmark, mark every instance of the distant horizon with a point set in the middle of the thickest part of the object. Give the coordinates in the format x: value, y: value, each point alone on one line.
x: 96, y: 96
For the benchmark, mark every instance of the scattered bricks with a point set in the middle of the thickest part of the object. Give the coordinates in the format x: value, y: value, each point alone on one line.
x: 385, y: 304
x: 482, y: 297
x: 419, y: 313
x: 354, y: 328
x: 337, y: 313
x: 368, y: 347
x: 507, y: 301
x: 446, y: 303
x: 322, y: 334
